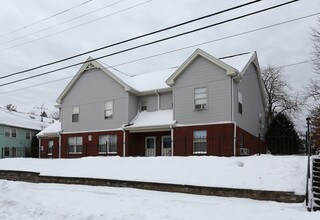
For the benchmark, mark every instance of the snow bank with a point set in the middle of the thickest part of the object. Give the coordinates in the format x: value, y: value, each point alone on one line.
x: 279, y: 173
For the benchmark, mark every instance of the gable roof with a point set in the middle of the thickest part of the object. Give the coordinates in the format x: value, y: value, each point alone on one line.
x: 230, y: 71
x: 23, y: 120
x: 136, y: 84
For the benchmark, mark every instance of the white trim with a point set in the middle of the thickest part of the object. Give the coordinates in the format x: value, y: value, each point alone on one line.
x: 124, y: 143
x: 92, y: 131
x: 39, y: 148
x: 91, y: 64
x: 230, y: 71
x: 158, y: 99
x: 210, y: 123
x: 59, y: 145
x: 234, y: 139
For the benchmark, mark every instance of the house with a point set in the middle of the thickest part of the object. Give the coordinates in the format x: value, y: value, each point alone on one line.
x: 207, y: 106
x: 17, y: 130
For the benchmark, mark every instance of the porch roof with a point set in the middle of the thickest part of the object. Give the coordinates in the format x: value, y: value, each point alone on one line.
x: 52, y: 130
x: 156, y: 120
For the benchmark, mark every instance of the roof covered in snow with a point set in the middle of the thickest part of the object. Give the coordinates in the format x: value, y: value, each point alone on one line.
x: 239, y: 62
x: 163, y: 79
x: 150, y: 120
x: 52, y: 130
x: 23, y: 120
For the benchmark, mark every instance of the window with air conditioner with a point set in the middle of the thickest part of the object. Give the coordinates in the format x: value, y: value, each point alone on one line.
x: 200, y: 99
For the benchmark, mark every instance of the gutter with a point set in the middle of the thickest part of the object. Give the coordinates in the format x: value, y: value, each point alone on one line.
x: 123, y: 141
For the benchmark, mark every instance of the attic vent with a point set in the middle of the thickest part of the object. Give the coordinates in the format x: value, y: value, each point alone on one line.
x: 32, y: 117
x: 90, y: 66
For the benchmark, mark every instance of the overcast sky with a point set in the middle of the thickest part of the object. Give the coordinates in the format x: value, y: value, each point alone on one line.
x: 28, y: 39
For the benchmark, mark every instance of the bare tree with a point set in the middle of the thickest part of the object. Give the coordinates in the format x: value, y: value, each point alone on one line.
x: 315, y: 126
x: 313, y: 88
x: 55, y: 115
x: 278, y: 94
x: 11, y: 107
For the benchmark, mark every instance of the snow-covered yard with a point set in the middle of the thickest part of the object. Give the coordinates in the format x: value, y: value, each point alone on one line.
x: 20, y: 200
x: 280, y: 173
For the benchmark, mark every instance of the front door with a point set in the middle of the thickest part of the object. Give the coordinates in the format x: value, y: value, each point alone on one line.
x: 150, y: 146
x: 166, y: 146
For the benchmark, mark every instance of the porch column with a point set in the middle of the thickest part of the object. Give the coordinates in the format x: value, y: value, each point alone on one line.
x: 172, y: 145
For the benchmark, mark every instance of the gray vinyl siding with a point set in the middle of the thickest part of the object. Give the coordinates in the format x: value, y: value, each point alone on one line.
x: 152, y: 102
x: 91, y: 92
x: 252, y: 103
x: 134, y: 105
x: 202, y: 73
x: 166, y: 101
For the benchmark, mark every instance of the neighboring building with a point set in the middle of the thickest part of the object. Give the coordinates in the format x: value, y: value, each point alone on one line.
x: 207, y: 106
x: 16, y: 132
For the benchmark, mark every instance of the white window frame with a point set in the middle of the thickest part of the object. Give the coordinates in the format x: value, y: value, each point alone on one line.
x: 240, y: 103
x: 28, y: 134
x: 10, y: 132
x: 50, y: 147
x: 203, y: 101
x: 143, y: 106
x: 108, y: 108
x: 75, y: 144
x: 75, y: 111
x: 107, y: 144
x: 200, y: 139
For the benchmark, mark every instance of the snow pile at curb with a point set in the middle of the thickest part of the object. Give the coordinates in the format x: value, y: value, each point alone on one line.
x: 278, y: 173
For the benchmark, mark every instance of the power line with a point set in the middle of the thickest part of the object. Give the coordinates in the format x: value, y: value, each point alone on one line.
x: 45, y: 19
x: 53, y: 81
x: 50, y: 35
x: 134, y: 38
x: 146, y: 44
x: 218, y: 39
x: 40, y: 84
x: 64, y: 22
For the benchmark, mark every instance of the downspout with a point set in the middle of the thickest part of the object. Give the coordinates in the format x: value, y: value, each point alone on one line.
x: 123, y: 142
x: 39, y: 147
x: 172, y: 145
x: 156, y: 91
x: 232, y: 114
x: 59, y: 145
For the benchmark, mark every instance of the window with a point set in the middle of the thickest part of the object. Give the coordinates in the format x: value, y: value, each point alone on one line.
x: 143, y: 106
x: 75, y: 145
x: 107, y: 144
x: 199, y: 142
x: 241, y: 140
x: 239, y: 102
x: 10, y: 132
x: 200, y: 98
x: 50, y: 147
x: 28, y: 134
x: 75, y: 113
x: 7, y: 132
x: 108, y: 110
x: 6, y: 152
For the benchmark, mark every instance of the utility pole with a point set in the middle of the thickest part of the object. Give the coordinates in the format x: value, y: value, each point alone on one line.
x: 42, y: 109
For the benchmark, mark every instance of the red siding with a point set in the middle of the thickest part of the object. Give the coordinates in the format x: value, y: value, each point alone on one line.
x: 55, y: 150
x: 253, y: 143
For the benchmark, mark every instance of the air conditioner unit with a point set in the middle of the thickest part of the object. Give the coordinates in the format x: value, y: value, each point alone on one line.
x: 244, y: 151
x: 199, y: 107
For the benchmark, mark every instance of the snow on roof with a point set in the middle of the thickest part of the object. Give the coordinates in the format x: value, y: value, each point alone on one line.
x: 23, y: 120
x: 148, y: 81
x: 51, y: 130
x: 147, y: 119
x: 238, y: 62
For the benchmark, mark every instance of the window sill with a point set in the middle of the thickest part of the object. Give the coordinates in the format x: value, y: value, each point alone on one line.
x: 200, y: 152
x: 49, y: 154
x: 75, y: 153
